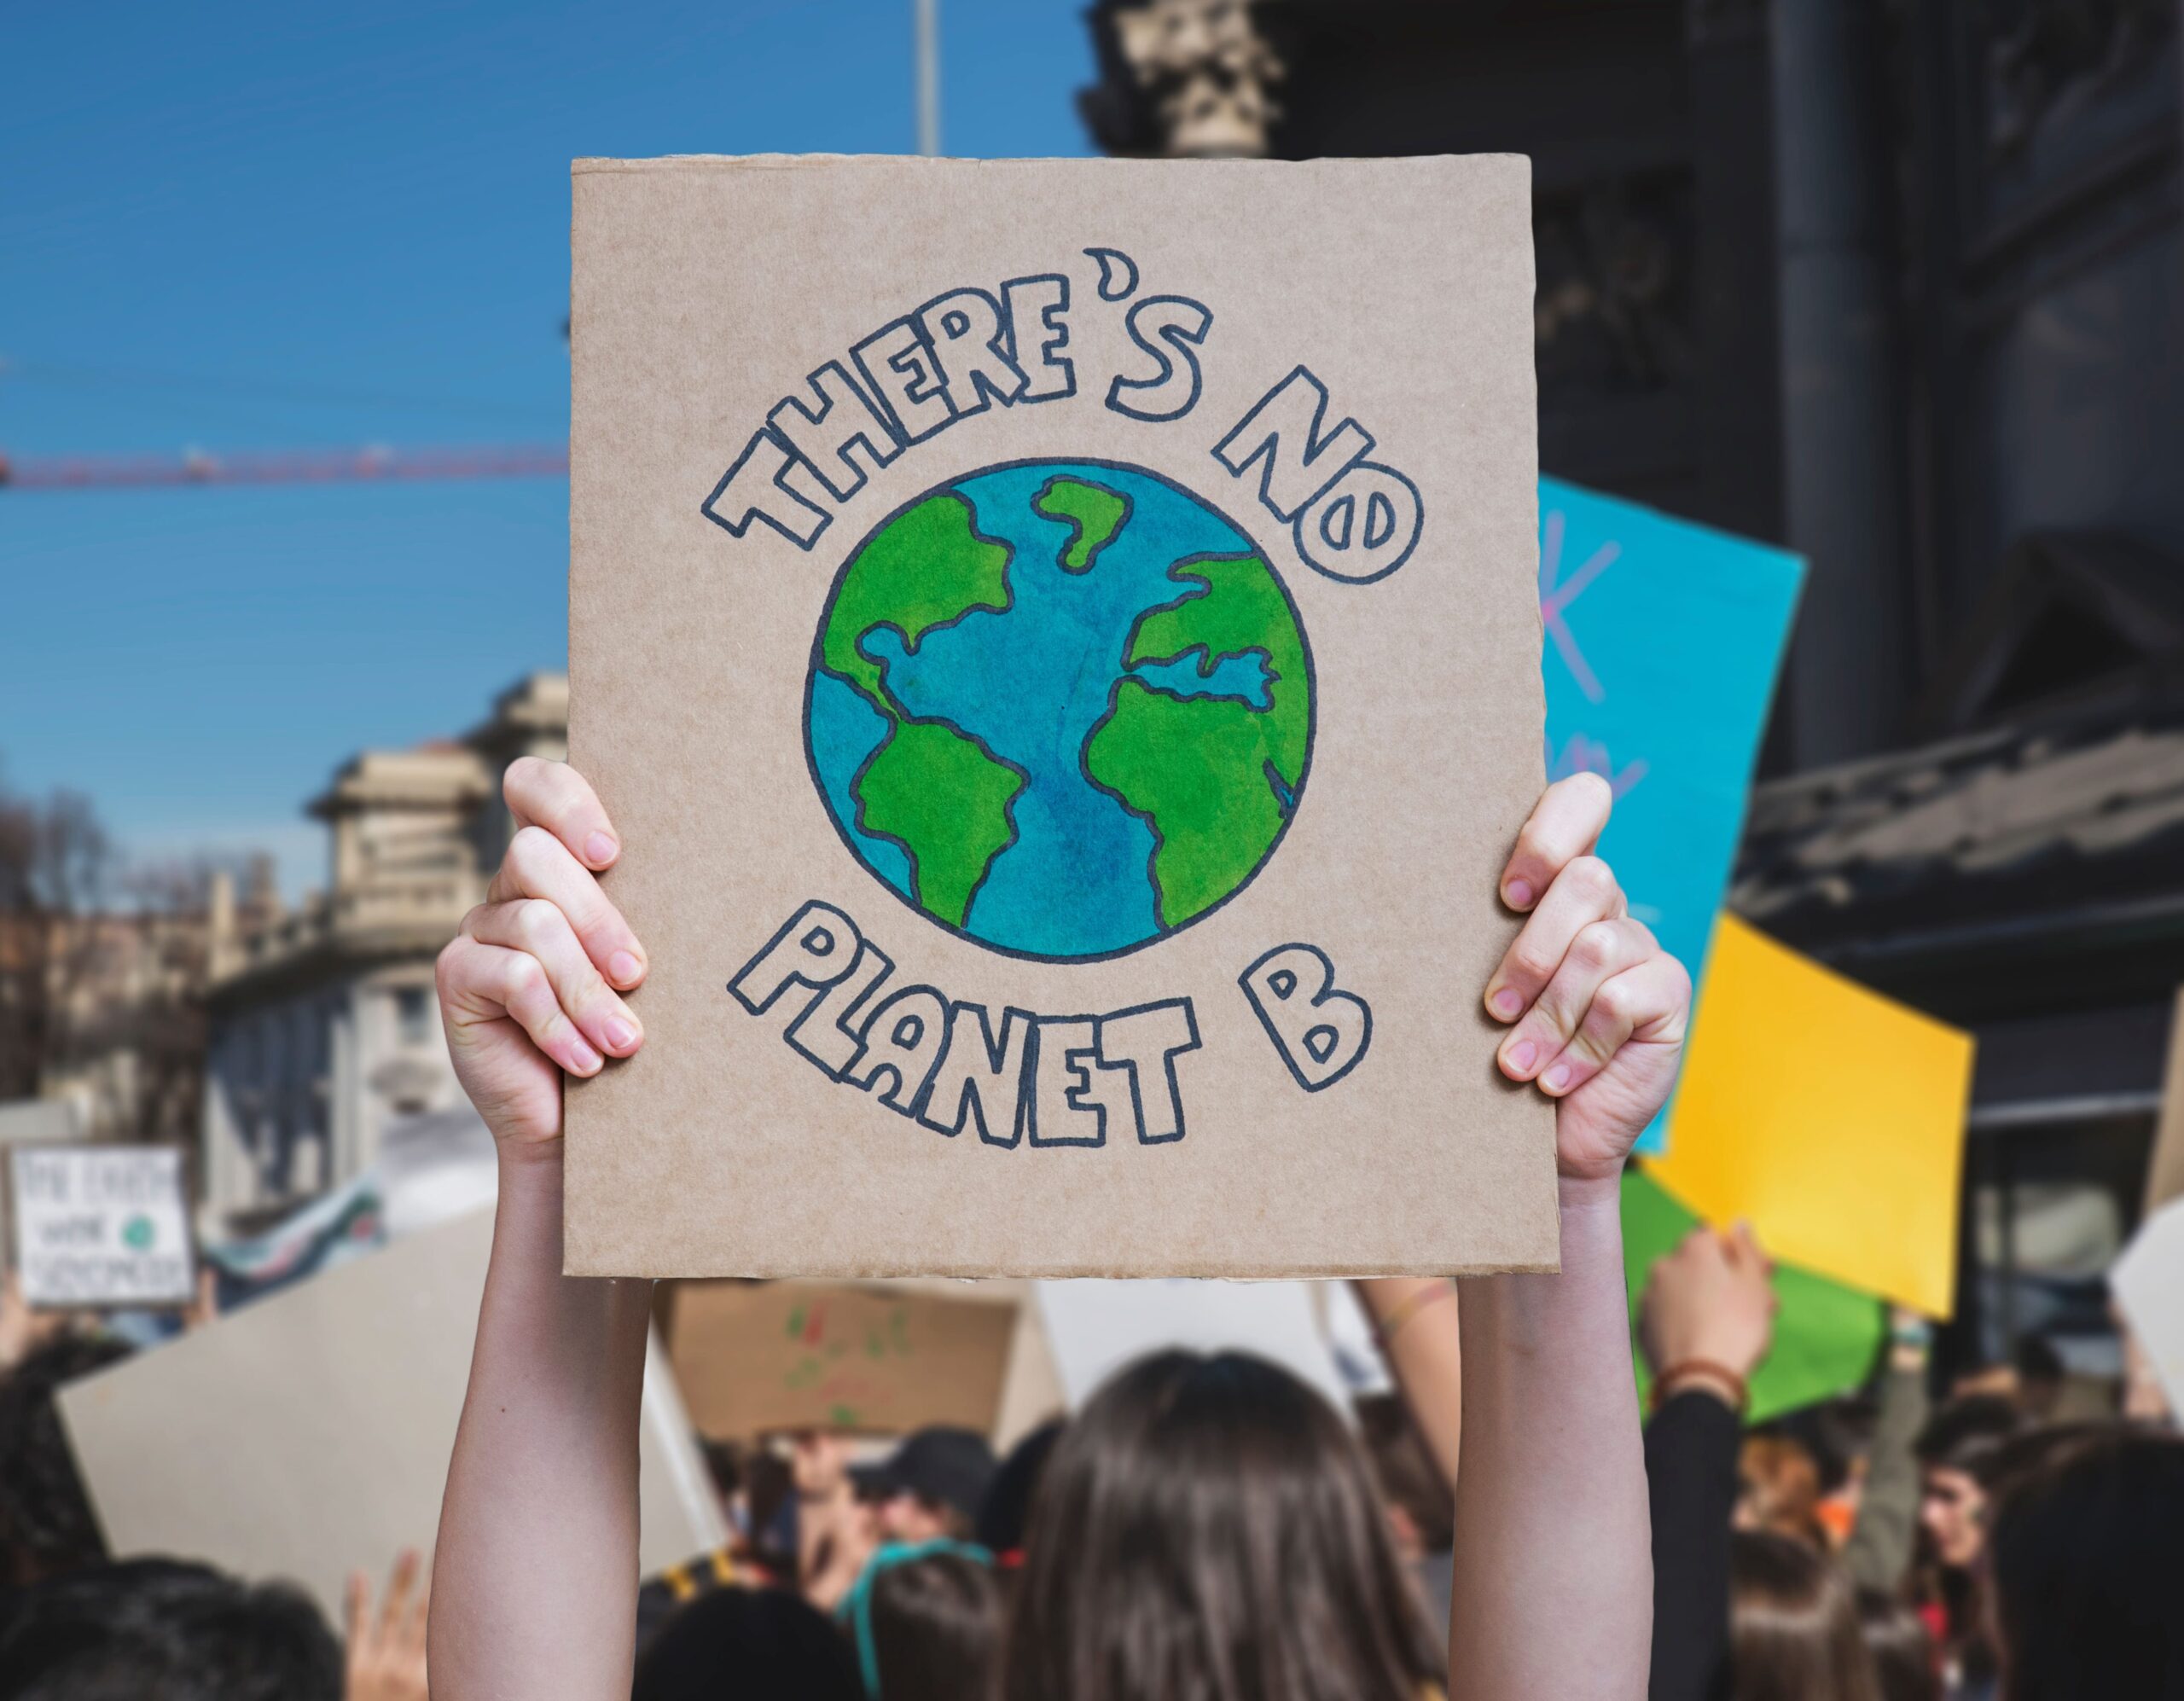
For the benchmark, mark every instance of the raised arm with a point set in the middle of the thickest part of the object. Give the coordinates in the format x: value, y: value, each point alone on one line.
x: 1554, y: 1580
x: 535, y: 1583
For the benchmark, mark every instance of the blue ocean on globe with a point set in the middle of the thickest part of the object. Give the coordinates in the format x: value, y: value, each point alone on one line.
x: 1029, y: 684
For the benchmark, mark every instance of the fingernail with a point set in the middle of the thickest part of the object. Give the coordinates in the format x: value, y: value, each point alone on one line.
x: 624, y: 967
x: 1518, y: 894
x: 620, y: 1035
x: 1506, y: 1004
x: 599, y: 849
x: 1522, y: 1055
x: 1556, y: 1078
x: 582, y: 1057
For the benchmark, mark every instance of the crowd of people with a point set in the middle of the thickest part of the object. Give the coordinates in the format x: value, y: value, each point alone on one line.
x: 1206, y: 1527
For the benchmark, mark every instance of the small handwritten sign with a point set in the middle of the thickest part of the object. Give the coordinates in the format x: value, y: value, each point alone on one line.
x: 101, y: 1225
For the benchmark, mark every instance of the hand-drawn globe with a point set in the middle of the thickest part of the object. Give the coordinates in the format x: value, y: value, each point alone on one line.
x: 1061, y: 707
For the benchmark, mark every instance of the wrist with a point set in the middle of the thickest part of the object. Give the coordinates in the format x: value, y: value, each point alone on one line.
x: 1703, y: 1376
x: 1591, y: 1194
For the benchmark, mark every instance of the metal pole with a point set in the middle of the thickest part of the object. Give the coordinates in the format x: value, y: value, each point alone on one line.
x: 928, y: 50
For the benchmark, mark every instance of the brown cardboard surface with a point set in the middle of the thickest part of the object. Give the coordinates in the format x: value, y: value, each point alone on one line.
x: 309, y: 1434
x: 2165, y: 1167
x: 752, y: 1358
x: 707, y: 294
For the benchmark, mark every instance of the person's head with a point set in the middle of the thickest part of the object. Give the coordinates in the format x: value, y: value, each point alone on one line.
x: 1778, y: 1487
x: 159, y: 1630
x: 2087, y: 1571
x: 926, y: 1620
x: 2039, y: 1370
x: 1421, y: 1506
x: 1956, y: 1452
x: 760, y: 1644
x: 1793, y: 1624
x: 1007, y: 1508
x: 46, y: 1526
x: 1904, y: 1655
x: 1208, y: 1526
x: 929, y: 1487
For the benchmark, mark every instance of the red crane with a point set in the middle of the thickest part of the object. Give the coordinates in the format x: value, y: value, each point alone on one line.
x: 283, y: 467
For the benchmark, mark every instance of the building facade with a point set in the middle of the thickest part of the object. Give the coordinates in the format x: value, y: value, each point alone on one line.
x: 324, y: 1027
x: 1899, y: 284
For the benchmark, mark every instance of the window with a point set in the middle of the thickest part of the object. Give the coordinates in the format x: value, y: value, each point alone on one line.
x: 413, y: 1014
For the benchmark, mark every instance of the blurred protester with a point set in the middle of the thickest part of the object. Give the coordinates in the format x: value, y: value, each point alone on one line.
x: 1706, y: 1322
x: 1421, y: 1507
x: 2086, y: 1569
x: 1885, y: 1530
x: 752, y: 1644
x: 46, y: 1526
x: 1793, y: 1624
x: 159, y: 1630
x: 386, y: 1653
x: 1417, y: 1323
x: 23, y: 1331
x: 1214, y: 1532
x: 1778, y: 1489
x: 836, y: 1532
x: 1208, y: 1526
x: 2030, y: 1379
x: 1906, y: 1665
x: 1956, y: 1452
x: 1005, y: 1512
x: 925, y: 1619
x: 929, y: 1487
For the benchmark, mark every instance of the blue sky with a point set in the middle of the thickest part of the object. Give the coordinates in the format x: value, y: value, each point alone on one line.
x: 235, y: 226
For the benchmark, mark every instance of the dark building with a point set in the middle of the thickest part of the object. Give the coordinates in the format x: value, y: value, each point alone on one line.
x: 1899, y: 283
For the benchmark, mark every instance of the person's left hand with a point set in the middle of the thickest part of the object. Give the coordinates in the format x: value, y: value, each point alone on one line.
x: 1597, y: 1009
x: 387, y: 1650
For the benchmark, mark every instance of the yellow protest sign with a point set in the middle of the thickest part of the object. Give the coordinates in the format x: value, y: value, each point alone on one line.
x: 1830, y: 1117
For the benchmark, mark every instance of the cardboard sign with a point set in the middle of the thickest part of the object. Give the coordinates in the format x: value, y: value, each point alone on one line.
x: 1096, y: 1327
x: 308, y: 1435
x: 1058, y: 641
x: 2148, y: 1284
x: 752, y: 1358
x: 101, y: 1225
x: 1662, y: 642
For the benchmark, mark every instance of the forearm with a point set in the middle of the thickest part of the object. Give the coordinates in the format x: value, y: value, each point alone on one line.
x: 1878, y: 1551
x: 1423, y: 1343
x: 535, y: 1578
x: 1554, y: 1578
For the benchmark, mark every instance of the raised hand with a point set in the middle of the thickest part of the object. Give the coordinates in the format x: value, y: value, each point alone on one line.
x: 1597, y: 1010
x: 529, y: 988
x: 385, y: 1653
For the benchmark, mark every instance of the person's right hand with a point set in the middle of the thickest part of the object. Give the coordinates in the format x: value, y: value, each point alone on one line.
x: 528, y: 987
x: 1710, y: 1302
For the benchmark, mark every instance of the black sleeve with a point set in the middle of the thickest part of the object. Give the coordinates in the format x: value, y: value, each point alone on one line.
x: 1691, y: 1483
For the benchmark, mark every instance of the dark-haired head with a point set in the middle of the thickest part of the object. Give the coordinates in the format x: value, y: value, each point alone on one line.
x: 1957, y: 1452
x: 1207, y: 1528
x: 1905, y: 1667
x: 2087, y: 1558
x: 765, y: 1644
x: 158, y: 1630
x: 935, y: 1626
x: 1793, y: 1624
x: 46, y: 1526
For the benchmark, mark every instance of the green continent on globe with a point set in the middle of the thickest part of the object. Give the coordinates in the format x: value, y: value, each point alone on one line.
x: 1212, y: 775
x: 933, y: 789
x: 924, y: 569
x: 1094, y: 510
x: 945, y: 801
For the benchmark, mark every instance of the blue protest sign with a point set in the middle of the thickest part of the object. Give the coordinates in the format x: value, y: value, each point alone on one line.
x: 1662, y: 641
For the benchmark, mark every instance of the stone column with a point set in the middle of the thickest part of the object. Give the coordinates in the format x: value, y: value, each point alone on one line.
x: 1842, y: 427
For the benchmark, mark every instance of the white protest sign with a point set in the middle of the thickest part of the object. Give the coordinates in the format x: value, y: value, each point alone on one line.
x: 101, y: 1225
x: 2148, y: 1283
x: 1096, y: 1326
